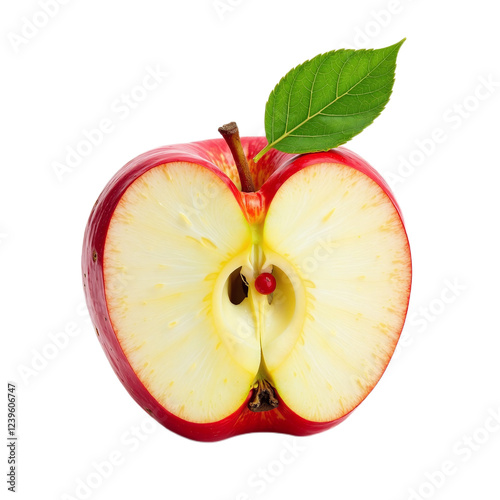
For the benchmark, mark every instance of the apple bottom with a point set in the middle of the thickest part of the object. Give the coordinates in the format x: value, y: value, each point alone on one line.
x: 242, y: 421
x: 280, y: 420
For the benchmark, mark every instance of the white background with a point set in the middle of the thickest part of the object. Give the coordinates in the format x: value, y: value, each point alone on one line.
x: 435, y: 406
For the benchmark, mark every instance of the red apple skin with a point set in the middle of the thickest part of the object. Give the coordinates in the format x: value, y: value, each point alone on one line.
x: 276, y: 167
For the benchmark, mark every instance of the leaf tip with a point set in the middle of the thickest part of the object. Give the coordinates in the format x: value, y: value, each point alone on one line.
x: 398, y: 45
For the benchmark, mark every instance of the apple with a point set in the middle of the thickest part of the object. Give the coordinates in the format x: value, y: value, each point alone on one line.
x: 230, y: 303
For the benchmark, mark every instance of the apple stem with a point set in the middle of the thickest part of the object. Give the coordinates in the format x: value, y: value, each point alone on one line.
x: 263, y: 398
x: 232, y: 137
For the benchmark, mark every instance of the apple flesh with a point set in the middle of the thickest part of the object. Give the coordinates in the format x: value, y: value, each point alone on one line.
x: 171, y: 254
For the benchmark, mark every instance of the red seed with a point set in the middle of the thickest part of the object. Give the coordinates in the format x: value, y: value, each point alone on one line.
x: 265, y: 283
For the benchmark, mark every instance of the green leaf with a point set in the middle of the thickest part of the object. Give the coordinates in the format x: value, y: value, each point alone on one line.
x: 326, y: 101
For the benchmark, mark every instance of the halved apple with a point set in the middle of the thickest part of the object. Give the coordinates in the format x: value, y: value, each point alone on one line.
x: 171, y: 255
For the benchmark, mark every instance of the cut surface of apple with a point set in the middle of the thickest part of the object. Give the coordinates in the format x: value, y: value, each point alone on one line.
x: 171, y: 256
x: 343, y: 240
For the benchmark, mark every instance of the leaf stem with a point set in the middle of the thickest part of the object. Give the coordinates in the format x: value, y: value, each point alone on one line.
x: 261, y: 153
x: 231, y: 135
